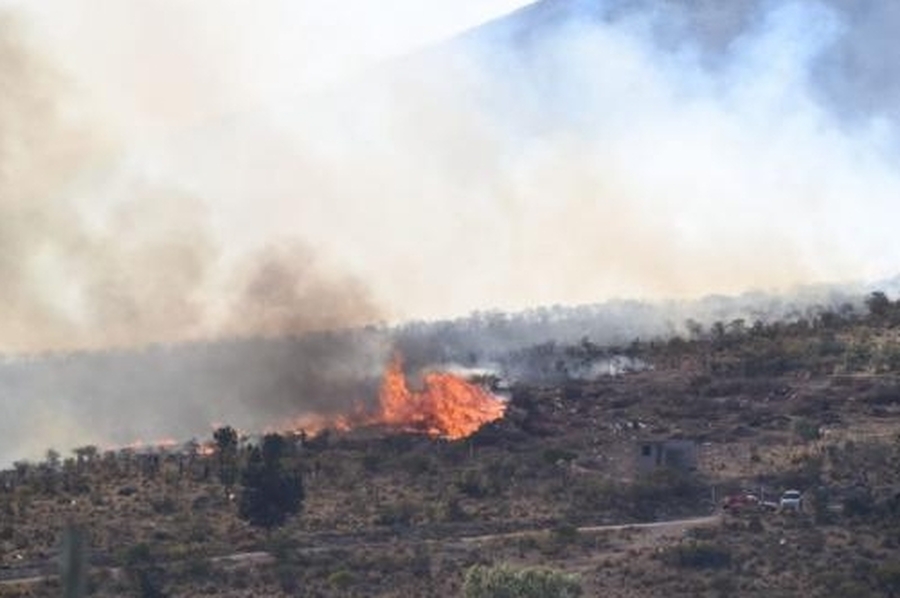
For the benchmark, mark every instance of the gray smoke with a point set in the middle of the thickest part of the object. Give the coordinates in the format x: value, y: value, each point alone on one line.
x: 572, y: 152
x: 96, y: 260
x: 145, y: 268
x: 585, y: 150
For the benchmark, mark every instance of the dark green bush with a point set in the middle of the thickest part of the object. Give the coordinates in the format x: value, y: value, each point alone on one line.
x: 807, y: 429
x: 399, y: 514
x: 341, y: 579
x: 698, y: 555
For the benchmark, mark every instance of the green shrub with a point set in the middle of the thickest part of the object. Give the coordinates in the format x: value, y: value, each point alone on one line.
x: 807, y: 429
x: 663, y: 488
x: 451, y: 510
x: 503, y: 581
x: 164, y: 506
x: 399, y: 514
x: 341, y: 579
x: 144, y: 573
x: 589, y: 495
x: 859, y: 503
x: 698, y: 555
x: 555, y: 455
x: 417, y: 464
x: 197, y: 567
x: 565, y: 533
x: 288, y: 576
x: 755, y: 525
x: 372, y: 462
x: 473, y: 484
x: 887, y: 577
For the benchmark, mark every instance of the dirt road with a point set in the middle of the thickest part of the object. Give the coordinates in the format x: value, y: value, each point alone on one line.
x: 659, y: 527
x: 645, y: 534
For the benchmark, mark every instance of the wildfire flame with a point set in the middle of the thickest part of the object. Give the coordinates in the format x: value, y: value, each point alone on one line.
x: 447, y: 406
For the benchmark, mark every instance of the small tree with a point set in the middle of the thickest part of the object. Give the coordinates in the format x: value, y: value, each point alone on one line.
x: 227, y: 452
x: 85, y: 454
x: 271, y: 492
x: 887, y: 577
x: 807, y: 430
x: 143, y: 570
x: 879, y: 305
x: 53, y: 459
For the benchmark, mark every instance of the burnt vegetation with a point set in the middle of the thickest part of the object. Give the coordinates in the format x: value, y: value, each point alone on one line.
x: 808, y: 403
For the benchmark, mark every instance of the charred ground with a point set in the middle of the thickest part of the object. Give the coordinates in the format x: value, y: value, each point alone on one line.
x: 810, y: 403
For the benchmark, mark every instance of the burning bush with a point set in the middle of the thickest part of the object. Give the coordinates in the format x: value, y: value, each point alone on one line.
x: 446, y: 406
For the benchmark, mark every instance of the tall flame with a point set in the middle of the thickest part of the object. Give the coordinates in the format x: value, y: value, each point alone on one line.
x: 447, y: 406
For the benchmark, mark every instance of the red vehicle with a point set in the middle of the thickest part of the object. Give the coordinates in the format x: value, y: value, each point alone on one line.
x: 740, y: 502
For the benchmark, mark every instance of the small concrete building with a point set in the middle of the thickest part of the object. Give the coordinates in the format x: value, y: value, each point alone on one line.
x: 656, y: 454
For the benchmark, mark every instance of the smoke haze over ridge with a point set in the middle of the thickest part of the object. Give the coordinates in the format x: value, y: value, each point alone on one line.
x: 573, y: 152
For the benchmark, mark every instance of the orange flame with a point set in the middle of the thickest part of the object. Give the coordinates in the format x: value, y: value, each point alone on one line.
x: 447, y: 406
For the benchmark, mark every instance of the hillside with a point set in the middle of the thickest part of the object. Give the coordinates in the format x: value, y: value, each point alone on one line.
x: 119, y: 396
x: 810, y: 404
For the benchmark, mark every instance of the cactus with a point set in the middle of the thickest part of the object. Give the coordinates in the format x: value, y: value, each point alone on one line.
x: 73, y: 562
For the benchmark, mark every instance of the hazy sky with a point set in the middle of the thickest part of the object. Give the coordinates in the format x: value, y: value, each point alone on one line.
x: 170, y: 61
x: 193, y: 169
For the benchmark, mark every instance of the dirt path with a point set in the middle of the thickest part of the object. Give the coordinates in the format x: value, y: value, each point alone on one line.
x: 659, y: 528
x: 646, y: 534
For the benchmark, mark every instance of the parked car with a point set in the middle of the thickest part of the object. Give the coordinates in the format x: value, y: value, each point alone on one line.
x: 791, y: 499
x: 740, y: 502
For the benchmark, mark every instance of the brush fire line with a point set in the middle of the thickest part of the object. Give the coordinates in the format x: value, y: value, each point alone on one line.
x: 446, y: 406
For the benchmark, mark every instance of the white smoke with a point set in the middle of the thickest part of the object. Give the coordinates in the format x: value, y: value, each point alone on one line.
x: 594, y: 163
x: 590, y: 157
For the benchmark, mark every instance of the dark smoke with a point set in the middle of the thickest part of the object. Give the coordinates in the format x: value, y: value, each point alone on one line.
x: 285, y: 290
x: 98, y: 300
x: 113, y: 398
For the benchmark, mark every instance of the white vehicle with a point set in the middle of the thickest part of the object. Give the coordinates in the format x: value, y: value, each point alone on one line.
x: 791, y: 499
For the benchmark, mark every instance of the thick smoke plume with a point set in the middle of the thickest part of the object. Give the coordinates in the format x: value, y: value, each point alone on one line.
x: 573, y: 152
x: 585, y: 150
x: 185, y: 172
x: 96, y: 257
x: 144, y: 266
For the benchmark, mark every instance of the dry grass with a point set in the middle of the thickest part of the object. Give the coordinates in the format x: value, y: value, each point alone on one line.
x: 383, y: 514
